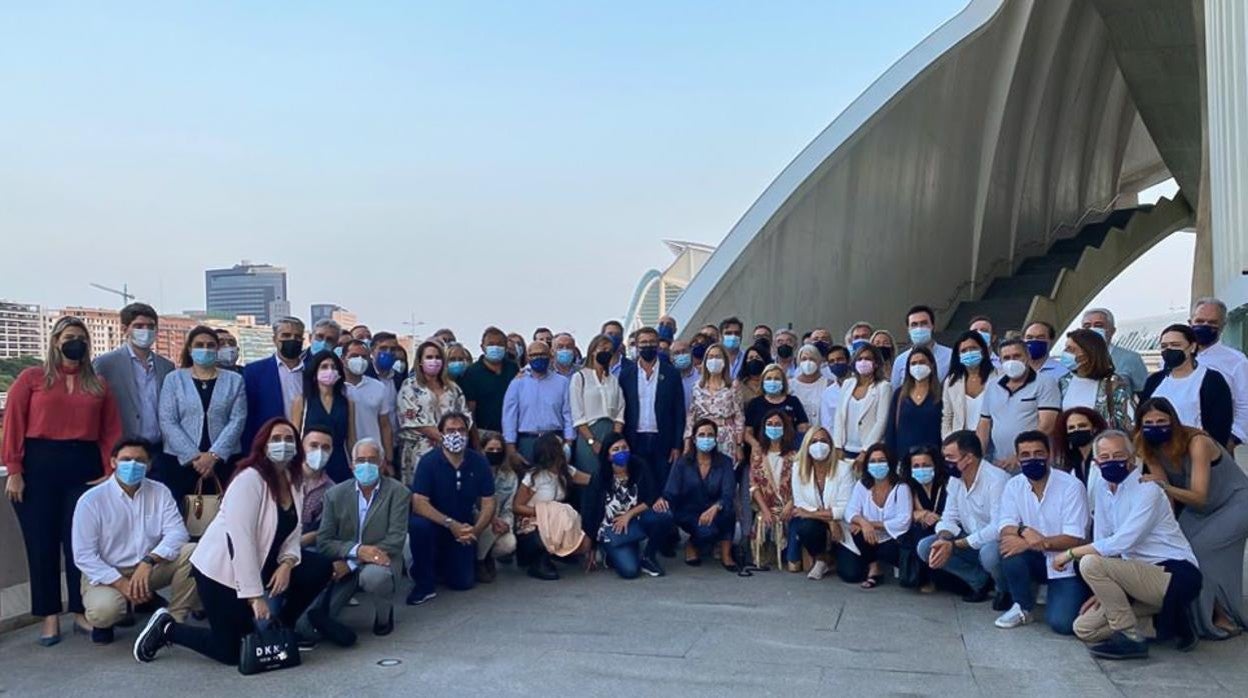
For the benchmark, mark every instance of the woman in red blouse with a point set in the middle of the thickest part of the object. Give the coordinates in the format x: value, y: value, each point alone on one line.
x: 59, y: 427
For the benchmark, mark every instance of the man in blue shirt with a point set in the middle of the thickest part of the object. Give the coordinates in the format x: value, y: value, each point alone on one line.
x: 536, y: 403
x: 451, y: 484
x: 920, y: 324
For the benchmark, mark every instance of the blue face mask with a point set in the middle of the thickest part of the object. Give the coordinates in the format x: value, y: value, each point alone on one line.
x: 839, y: 370
x: 920, y: 335
x: 367, y: 474
x: 682, y: 361
x: 877, y: 471
x: 619, y: 459
x: 987, y: 338
x: 706, y: 444
x: 565, y: 357
x: 540, y: 364
x: 698, y: 352
x: 1098, y: 330
x: 856, y: 345
x: 457, y: 368
x: 971, y: 359
x: 1156, y: 434
x: 666, y: 333
x: 1034, y: 468
x: 495, y: 353
x: 385, y: 361
x: 732, y: 342
x: 773, y: 386
x: 1205, y: 334
x: 773, y: 432
x: 923, y: 474
x: 318, y: 346
x: 1114, y: 471
x: 1037, y: 348
x: 338, y: 352
x: 1068, y: 360
x: 130, y: 472
x: 615, y: 341
x: 204, y: 357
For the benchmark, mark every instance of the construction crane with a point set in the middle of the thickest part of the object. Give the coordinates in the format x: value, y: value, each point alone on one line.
x: 125, y: 294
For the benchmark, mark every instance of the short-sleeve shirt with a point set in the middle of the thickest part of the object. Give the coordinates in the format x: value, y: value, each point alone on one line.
x: 486, y: 389
x: 1062, y: 509
x: 371, y: 400
x: 456, y: 492
x: 1014, y: 412
x: 757, y: 409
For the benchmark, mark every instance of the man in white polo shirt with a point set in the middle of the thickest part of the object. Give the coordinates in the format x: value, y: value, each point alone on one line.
x: 1208, y: 319
x: 1022, y: 400
x: 369, y: 398
x: 1139, y: 563
x: 1043, y: 512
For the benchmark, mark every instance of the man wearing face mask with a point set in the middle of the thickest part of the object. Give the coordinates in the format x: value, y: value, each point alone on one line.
x: 682, y: 361
x: 667, y: 329
x: 858, y: 336
x: 273, y: 383
x: 363, y: 528
x: 614, y: 330
x: 836, y: 371
x: 1044, y: 511
x: 965, y: 543
x: 363, y: 334
x: 129, y: 542
x: 921, y: 324
x: 536, y: 403
x: 1022, y: 400
x: 730, y: 337
x: 1207, y: 321
x: 485, y: 382
x: 323, y: 337
x: 318, y: 446
x: 227, y: 352
x: 1039, y: 338
x: 786, y: 352
x: 654, y: 407
x: 565, y: 355
x: 135, y: 375
x: 1139, y: 563
x: 373, y: 408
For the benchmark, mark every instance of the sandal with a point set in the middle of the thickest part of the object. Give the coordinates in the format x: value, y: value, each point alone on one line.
x: 871, y: 582
x: 693, y: 561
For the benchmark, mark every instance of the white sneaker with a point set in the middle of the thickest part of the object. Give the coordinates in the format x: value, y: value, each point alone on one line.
x: 1013, y: 618
x: 818, y: 570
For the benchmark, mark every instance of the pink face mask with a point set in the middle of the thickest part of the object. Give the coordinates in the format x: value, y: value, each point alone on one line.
x: 431, y: 367
x: 327, y: 376
x: 864, y: 367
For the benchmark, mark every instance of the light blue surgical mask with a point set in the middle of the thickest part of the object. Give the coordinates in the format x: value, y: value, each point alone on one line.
x: 773, y: 386
x: 971, y: 359
x: 920, y: 335
x: 204, y: 357
x: 923, y: 474
x: 318, y: 346
x: 366, y: 473
x: 682, y: 361
x: 131, y: 472
x: 987, y: 338
x: 1098, y: 330
x: 565, y: 357
x: 457, y: 368
x: 856, y: 345
x: 877, y: 471
x: 773, y: 432
x: 1068, y: 360
x: 495, y: 353
x: 706, y: 444
x: 143, y: 337
x: 732, y: 342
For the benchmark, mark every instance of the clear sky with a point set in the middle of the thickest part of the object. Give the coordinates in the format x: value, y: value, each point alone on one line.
x: 460, y: 163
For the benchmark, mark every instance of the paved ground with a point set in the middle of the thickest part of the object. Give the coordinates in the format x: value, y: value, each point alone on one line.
x: 696, y: 632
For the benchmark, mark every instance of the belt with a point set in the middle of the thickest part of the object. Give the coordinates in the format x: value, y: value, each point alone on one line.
x: 536, y: 434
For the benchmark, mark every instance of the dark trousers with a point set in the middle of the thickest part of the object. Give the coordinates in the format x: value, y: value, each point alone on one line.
x: 623, y: 550
x: 810, y: 535
x: 854, y: 568
x: 437, y: 557
x: 702, y: 536
x: 1066, y: 594
x: 56, y: 474
x: 650, y: 448
x: 230, y: 618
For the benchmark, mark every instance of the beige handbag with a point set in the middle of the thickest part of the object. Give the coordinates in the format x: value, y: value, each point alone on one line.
x: 202, y: 508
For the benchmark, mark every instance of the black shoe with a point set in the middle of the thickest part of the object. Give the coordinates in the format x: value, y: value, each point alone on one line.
x: 544, y: 569
x: 331, y: 629
x: 651, y: 566
x: 1119, y: 646
x: 1186, y: 639
x: 486, y: 572
x: 980, y: 596
x: 1001, y: 601
x: 102, y: 636
x: 150, y: 606
x: 154, y: 636
x: 382, y: 629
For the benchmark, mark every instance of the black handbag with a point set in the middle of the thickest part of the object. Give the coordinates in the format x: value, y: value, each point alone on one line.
x: 271, y: 647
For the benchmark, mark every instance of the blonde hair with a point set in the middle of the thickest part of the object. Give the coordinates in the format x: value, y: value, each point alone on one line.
x: 52, y: 360
x: 417, y: 366
x: 806, y: 464
x: 725, y: 375
x: 784, y: 376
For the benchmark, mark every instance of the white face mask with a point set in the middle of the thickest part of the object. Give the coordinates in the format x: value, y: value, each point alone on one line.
x: 227, y: 356
x: 715, y: 365
x: 400, y: 366
x: 280, y: 452
x: 820, y: 450
x: 357, y: 365
x: 631, y: 353
x: 808, y: 367
x: 1014, y: 368
x: 317, y: 458
x: 143, y: 337
x: 920, y: 372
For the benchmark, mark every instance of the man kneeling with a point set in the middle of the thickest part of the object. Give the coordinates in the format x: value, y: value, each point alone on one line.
x: 129, y: 542
x: 1139, y: 565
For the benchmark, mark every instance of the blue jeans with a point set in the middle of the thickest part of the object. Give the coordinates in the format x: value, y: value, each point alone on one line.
x: 1066, y: 595
x: 623, y: 550
x: 437, y: 557
x: 975, y: 567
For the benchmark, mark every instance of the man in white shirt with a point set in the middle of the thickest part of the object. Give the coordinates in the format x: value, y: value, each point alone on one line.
x: 1043, y: 512
x: 129, y: 542
x: 965, y: 542
x: 921, y: 323
x: 373, y: 407
x: 1208, y: 320
x: 1139, y: 562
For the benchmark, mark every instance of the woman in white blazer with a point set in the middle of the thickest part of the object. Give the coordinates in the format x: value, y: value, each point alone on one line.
x: 970, y: 374
x: 821, y: 489
x: 863, y: 413
x: 248, y: 564
x: 202, y: 412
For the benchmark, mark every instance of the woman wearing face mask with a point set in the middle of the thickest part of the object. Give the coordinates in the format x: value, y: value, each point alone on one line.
x: 59, y: 426
x: 750, y: 379
x: 597, y: 402
x: 202, y: 413
x: 1092, y: 381
x: 882, y: 340
x: 775, y: 396
x: 400, y: 367
x: 318, y: 446
x: 426, y: 395
x: 771, y: 490
x: 499, y: 539
x: 324, y: 401
x: 809, y: 384
x: 969, y: 374
x: 699, y: 492
x: 878, y: 514
x: 914, y: 415
x: 927, y: 484
x: 1201, y: 396
x: 715, y: 399
x: 250, y: 556
x: 623, y: 515
x: 1210, y: 494
x: 458, y: 359
x: 863, y: 413
x: 821, y: 487
x: 1072, y: 444
x: 546, y: 486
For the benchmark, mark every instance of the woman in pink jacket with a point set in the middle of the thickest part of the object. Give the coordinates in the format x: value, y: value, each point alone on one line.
x: 249, y: 558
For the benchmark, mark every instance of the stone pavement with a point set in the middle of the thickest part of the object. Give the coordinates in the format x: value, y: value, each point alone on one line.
x: 696, y: 632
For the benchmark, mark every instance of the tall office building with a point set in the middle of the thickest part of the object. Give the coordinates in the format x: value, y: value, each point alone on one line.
x: 258, y: 290
x: 331, y: 311
x: 21, y: 330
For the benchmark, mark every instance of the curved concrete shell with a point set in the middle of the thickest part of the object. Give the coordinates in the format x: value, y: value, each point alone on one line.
x: 990, y: 139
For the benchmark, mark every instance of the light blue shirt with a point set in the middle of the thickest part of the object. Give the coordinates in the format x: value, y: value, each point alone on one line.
x: 534, y: 405
x: 943, y: 356
x: 148, y: 395
x: 1053, y: 369
x: 1129, y: 365
x: 687, y: 382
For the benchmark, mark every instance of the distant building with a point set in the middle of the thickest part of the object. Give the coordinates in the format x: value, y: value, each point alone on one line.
x: 337, y: 313
x: 255, y: 341
x: 658, y: 290
x: 103, y: 324
x: 21, y: 330
x: 247, y: 289
x: 171, y: 335
x: 1143, y: 335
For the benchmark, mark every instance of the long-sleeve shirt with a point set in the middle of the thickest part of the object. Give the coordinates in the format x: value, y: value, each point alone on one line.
x: 1136, y: 522
x: 113, y: 530
x: 833, y: 497
x: 534, y: 404
x: 974, y: 511
x: 688, y: 493
x: 896, y: 512
x: 1233, y: 366
x: 36, y: 412
x: 592, y: 399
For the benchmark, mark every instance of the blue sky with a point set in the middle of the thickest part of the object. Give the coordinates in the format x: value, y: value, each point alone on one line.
x: 465, y: 163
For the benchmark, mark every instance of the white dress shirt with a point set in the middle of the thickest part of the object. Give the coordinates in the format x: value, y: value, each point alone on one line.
x: 1233, y: 366
x: 1061, y: 509
x: 292, y: 382
x: 647, y: 389
x: 896, y: 512
x: 592, y: 399
x: 835, y: 493
x: 1135, y: 522
x: 974, y: 511
x: 113, y: 530
x: 828, y: 404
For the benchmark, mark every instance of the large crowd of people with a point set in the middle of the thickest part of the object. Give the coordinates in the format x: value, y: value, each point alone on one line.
x: 1018, y: 468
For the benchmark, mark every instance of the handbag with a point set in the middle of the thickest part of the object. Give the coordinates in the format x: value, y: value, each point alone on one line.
x: 201, y: 508
x: 270, y: 647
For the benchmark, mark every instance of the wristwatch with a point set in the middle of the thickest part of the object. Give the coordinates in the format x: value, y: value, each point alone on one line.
x: 447, y: 521
x: 149, y: 560
x: 590, y: 441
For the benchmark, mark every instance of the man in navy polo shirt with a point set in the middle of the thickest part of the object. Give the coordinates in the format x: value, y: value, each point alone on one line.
x: 453, y: 499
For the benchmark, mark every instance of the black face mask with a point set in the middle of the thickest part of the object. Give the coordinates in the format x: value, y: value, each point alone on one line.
x: 823, y: 347
x: 1173, y: 358
x: 290, y: 348
x: 784, y: 351
x: 603, y: 358
x: 886, y: 353
x: 74, y: 349
x: 1079, y: 438
x: 763, y: 345
x: 754, y: 367
x: 648, y: 354
x: 495, y: 457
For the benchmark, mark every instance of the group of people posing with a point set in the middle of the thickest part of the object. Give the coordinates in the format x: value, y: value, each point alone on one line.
x: 989, y: 468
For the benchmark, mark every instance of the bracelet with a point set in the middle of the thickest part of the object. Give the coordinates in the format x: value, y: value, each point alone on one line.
x: 1071, y: 553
